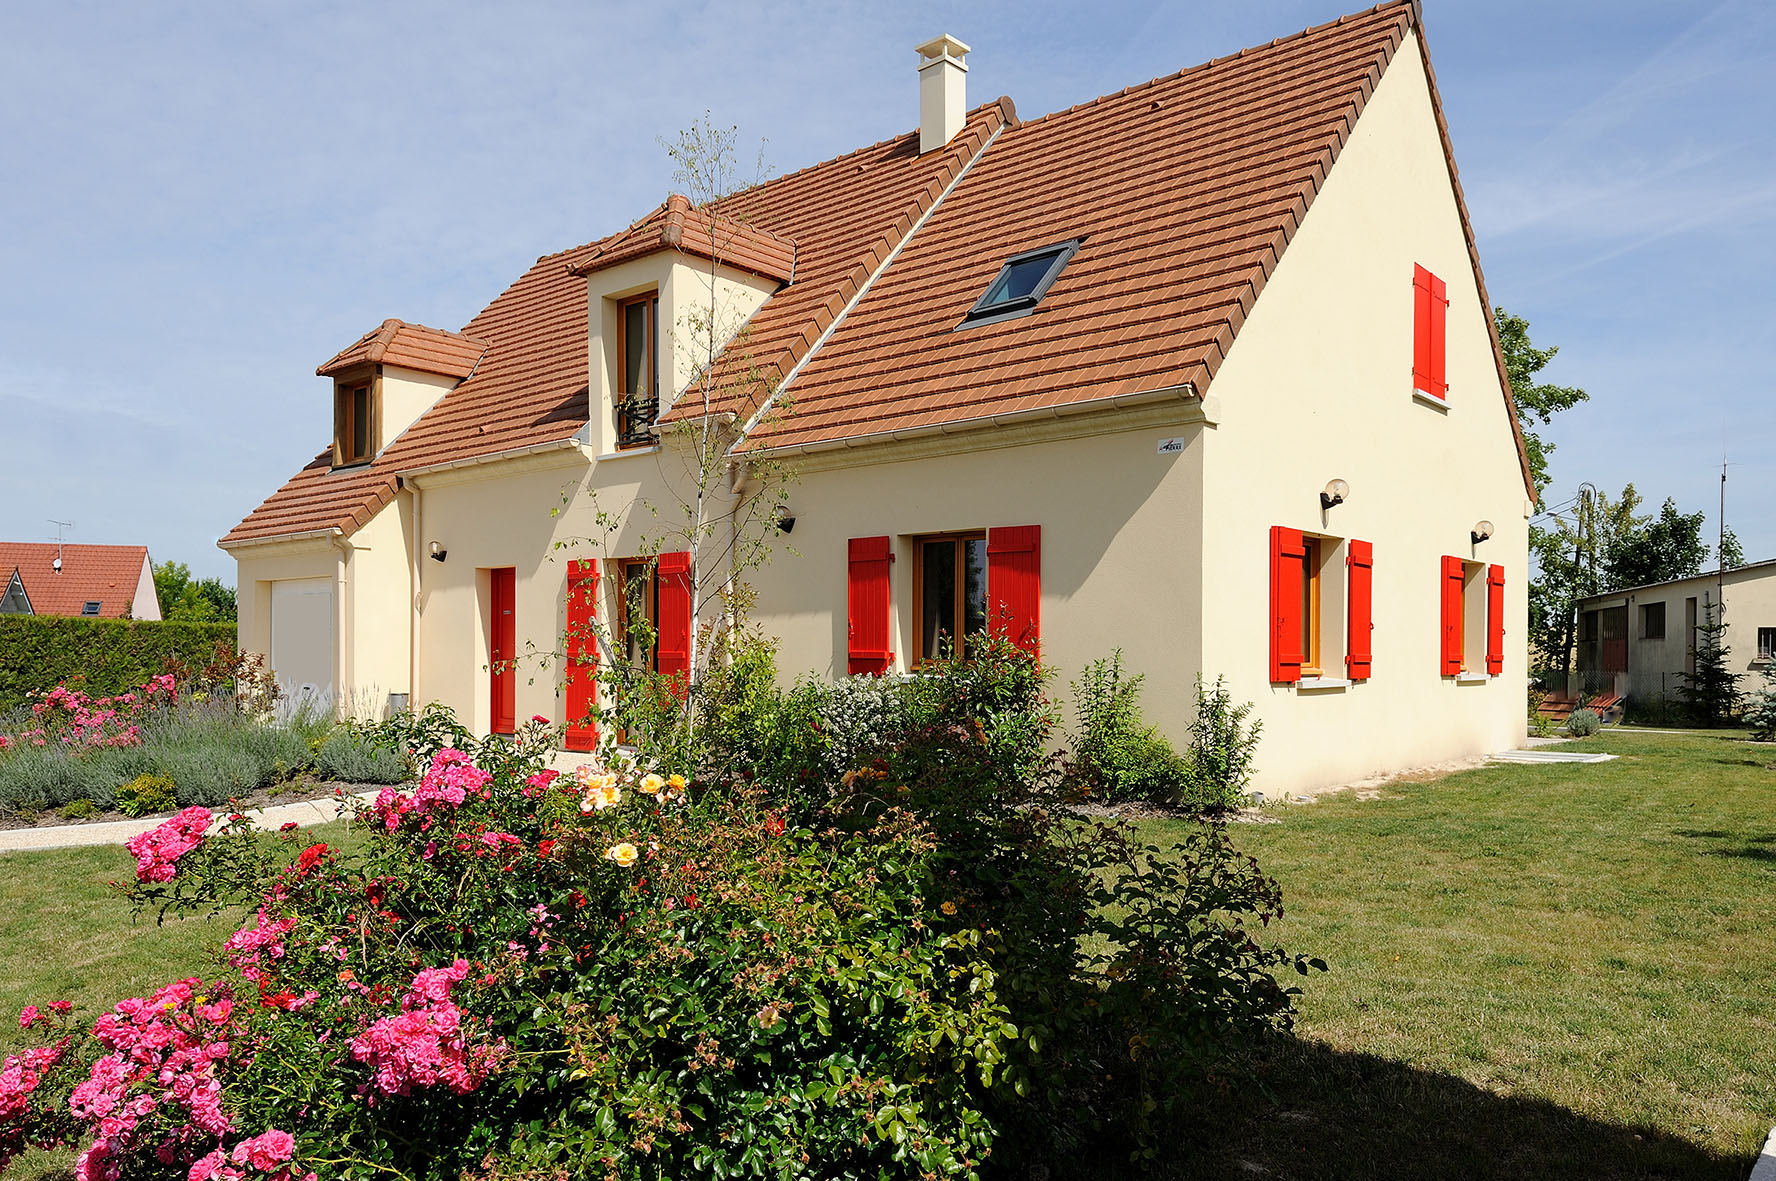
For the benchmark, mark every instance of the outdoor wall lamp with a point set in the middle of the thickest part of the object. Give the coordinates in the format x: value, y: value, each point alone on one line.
x: 786, y: 519
x: 1334, y: 493
x: 439, y: 553
x: 1481, y: 531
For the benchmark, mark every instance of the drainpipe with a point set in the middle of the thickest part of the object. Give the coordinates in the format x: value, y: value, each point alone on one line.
x: 341, y: 620
x: 413, y: 614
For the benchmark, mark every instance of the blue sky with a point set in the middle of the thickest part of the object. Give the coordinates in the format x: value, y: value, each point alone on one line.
x: 203, y: 201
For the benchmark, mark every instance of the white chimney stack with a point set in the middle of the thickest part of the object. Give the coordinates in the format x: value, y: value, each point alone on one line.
x: 943, y: 98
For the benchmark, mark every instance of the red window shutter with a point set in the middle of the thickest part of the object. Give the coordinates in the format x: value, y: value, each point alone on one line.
x: 1452, y: 615
x: 673, y: 616
x: 502, y: 652
x: 582, y: 655
x: 1360, y: 657
x: 866, y: 605
x: 1288, y: 570
x: 1014, y: 585
x: 1430, y: 306
x: 1495, y: 619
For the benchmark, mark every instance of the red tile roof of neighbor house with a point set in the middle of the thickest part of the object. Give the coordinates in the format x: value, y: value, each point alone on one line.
x: 1186, y: 190
x: 106, y: 574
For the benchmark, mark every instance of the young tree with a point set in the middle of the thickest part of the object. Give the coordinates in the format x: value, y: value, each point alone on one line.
x: 723, y: 513
x: 1711, y: 693
x: 202, y: 601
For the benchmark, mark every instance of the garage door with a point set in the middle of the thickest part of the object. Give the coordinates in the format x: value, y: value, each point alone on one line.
x: 302, y: 636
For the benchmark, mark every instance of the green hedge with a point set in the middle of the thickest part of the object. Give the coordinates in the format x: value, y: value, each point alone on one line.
x: 37, y: 652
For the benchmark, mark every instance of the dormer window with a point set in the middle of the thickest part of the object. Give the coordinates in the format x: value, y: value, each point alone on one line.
x: 91, y: 607
x: 638, y: 369
x: 354, y: 411
x: 1021, y: 283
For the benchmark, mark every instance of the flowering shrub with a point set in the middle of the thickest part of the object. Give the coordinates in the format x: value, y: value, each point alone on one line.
x: 69, y: 718
x: 921, y: 967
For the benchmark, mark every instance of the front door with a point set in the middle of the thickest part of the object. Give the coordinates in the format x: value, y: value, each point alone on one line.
x: 503, y: 649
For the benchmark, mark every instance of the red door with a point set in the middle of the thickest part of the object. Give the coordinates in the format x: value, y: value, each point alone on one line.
x: 503, y: 650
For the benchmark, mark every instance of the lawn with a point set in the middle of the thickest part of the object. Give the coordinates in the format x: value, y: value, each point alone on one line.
x: 1537, y: 971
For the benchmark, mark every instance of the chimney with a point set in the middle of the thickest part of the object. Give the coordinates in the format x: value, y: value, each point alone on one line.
x: 943, y: 102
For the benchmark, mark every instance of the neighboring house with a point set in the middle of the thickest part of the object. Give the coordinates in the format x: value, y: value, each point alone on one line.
x: 97, y: 581
x: 1640, y: 642
x: 1204, y: 370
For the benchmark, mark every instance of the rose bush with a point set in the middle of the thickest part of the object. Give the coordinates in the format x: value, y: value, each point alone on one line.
x: 720, y: 965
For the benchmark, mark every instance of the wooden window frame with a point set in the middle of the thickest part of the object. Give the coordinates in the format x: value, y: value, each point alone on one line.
x: 651, y: 301
x: 960, y: 604
x: 344, y: 420
x: 628, y: 571
x: 1310, y: 605
x: 1646, y: 614
x: 1766, y: 649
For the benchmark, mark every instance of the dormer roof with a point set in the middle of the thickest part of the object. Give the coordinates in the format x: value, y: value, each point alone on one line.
x: 678, y: 225
x: 411, y: 346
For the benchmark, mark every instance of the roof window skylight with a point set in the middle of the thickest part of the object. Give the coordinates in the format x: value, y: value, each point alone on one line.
x: 1021, y: 283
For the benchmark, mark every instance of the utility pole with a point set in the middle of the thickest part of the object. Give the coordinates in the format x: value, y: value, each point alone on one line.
x: 1720, y: 561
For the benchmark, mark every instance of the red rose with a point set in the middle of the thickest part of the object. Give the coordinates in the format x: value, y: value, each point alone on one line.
x: 306, y: 860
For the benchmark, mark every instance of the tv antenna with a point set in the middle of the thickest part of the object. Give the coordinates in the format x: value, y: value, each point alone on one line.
x: 60, y: 526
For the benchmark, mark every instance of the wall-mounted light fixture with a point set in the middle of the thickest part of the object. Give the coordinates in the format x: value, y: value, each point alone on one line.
x: 1480, y: 532
x: 439, y: 553
x: 786, y: 519
x: 1334, y: 493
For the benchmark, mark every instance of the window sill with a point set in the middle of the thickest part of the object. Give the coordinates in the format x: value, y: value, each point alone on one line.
x: 1441, y: 404
x: 628, y: 452
x: 1320, y: 684
x: 1473, y: 678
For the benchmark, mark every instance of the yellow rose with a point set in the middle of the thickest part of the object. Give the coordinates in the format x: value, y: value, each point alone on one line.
x: 624, y: 854
x: 948, y: 908
x: 652, y: 783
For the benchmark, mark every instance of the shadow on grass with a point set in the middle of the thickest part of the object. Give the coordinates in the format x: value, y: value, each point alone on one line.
x: 1333, y: 1114
x: 1757, y: 847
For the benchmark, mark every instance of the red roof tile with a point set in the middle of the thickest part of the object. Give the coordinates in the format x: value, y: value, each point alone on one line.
x: 411, y: 346
x: 1186, y: 190
x: 705, y: 233
x: 106, y: 574
x: 530, y: 387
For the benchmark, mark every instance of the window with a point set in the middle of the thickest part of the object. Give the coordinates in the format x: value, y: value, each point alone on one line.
x: 91, y: 607
x: 1430, y: 314
x: 354, y: 409
x: 1652, y: 621
x: 1021, y: 283
x: 949, y: 593
x: 638, y: 369
x: 1310, y: 581
x: 1766, y: 644
x: 1473, y: 618
x: 637, y: 612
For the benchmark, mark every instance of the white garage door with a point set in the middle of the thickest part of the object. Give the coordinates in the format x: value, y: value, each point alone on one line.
x: 302, y: 637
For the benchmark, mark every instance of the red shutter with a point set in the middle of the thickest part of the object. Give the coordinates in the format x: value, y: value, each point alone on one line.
x: 673, y: 616
x: 1288, y: 570
x: 866, y: 605
x: 1430, y: 307
x: 582, y: 655
x: 1014, y: 585
x: 1495, y: 620
x: 1361, y: 595
x: 502, y: 680
x: 1452, y: 616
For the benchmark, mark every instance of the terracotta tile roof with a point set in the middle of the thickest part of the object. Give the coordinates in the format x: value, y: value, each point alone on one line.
x: 530, y: 387
x: 108, y: 574
x: 1185, y: 190
x: 411, y: 346
x: 676, y: 225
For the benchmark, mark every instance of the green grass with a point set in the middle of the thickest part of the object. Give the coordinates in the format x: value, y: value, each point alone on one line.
x: 69, y: 935
x: 1559, y: 970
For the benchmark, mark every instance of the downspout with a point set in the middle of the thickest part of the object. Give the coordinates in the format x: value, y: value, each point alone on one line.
x: 341, y: 620
x: 413, y: 613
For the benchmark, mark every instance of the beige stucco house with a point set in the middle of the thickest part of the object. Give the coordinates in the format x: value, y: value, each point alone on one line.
x: 1640, y: 642
x: 1203, y: 370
